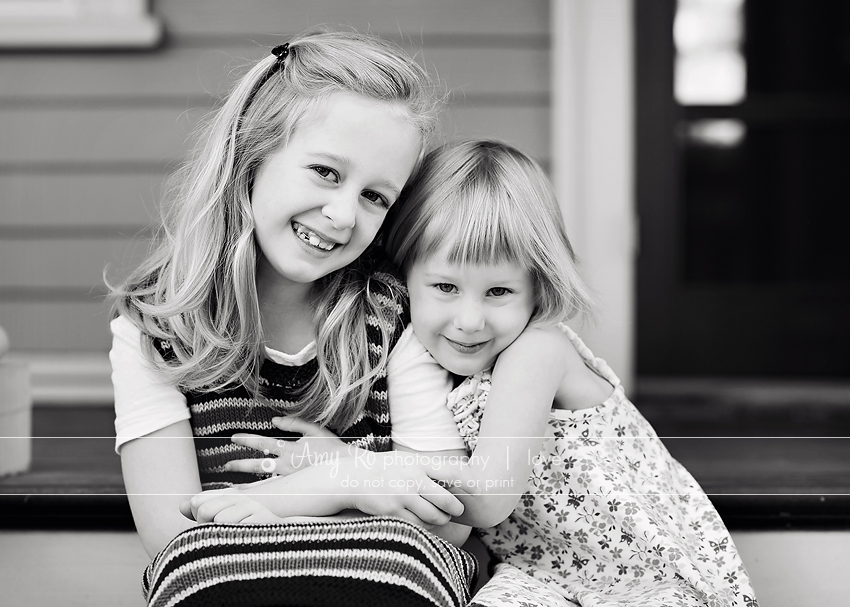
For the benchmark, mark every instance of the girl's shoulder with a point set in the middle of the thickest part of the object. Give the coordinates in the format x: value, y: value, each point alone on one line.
x: 127, y: 331
x: 539, y: 351
x: 580, y: 383
x: 542, y: 342
x: 558, y: 340
x: 123, y: 327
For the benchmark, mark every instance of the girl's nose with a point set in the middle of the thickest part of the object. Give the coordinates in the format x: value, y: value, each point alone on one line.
x: 469, y: 318
x: 341, y: 209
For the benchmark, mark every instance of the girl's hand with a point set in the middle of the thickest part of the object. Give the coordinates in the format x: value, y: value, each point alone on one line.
x: 373, y: 483
x: 227, y: 506
x: 381, y: 484
x: 285, y: 456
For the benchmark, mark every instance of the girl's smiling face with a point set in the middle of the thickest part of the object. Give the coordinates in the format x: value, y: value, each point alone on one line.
x: 320, y: 199
x: 466, y: 315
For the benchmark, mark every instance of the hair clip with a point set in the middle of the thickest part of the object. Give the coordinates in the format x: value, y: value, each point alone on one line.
x: 281, y: 51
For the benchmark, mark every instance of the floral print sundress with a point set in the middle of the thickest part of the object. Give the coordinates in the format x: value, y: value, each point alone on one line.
x: 608, y: 516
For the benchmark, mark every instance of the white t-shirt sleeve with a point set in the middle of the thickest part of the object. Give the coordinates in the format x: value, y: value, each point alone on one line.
x: 417, y: 389
x: 144, y: 401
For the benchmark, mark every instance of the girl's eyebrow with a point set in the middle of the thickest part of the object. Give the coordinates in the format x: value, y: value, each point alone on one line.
x: 329, y: 156
x: 436, y: 276
x: 395, y: 190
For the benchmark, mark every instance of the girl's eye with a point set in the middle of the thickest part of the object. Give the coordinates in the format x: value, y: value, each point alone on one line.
x: 445, y: 287
x: 500, y: 291
x: 375, y: 198
x: 325, y: 173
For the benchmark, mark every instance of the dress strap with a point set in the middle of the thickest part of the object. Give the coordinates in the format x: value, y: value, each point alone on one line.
x: 599, y: 366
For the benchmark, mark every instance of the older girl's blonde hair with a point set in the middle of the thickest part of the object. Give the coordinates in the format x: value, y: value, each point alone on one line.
x: 487, y: 202
x: 197, y: 290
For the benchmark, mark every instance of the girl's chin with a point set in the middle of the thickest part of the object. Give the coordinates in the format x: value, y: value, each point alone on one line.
x: 464, y: 368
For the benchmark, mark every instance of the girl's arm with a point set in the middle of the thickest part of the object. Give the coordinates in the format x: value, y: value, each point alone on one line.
x: 320, y: 447
x: 160, y: 464
x: 373, y: 483
x: 453, y: 532
x: 417, y: 390
x: 160, y: 471
x: 525, y: 381
x: 154, y: 440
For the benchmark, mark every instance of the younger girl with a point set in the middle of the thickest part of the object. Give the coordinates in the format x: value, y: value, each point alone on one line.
x: 266, y: 295
x: 607, y: 516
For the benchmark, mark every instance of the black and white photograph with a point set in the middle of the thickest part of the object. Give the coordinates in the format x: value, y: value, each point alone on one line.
x: 424, y: 303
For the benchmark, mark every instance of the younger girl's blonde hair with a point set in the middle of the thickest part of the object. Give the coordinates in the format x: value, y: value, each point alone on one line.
x: 487, y: 202
x: 197, y: 291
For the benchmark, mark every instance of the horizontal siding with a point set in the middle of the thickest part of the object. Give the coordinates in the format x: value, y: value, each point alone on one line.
x: 525, y: 127
x: 63, y: 326
x: 75, y: 263
x: 76, y: 201
x: 90, y: 137
x: 413, y: 19
x: 150, y: 135
x: 157, y: 136
x: 176, y: 74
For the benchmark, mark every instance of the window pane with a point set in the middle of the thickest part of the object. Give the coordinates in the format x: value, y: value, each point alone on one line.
x: 798, y: 46
x: 710, y: 68
x: 765, y: 203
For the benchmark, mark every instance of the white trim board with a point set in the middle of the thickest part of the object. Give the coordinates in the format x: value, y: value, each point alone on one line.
x: 593, y: 163
x: 78, y: 24
x: 68, y: 378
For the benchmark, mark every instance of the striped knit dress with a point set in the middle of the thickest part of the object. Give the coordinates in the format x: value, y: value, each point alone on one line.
x: 366, y: 561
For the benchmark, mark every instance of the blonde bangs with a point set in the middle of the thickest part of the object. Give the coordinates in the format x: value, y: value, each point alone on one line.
x: 477, y: 226
x: 485, y: 202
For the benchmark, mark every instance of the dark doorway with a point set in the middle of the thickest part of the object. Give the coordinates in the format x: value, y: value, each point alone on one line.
x: 744, y: 205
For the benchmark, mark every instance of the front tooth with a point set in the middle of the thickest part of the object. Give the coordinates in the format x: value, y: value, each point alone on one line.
x: 314, y: 240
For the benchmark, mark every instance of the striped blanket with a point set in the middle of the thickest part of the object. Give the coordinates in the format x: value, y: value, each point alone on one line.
x: 336, y: 563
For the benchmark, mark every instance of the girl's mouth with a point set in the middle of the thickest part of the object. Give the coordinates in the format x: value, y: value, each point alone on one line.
x: 311, y: 238
x: 466, y: 348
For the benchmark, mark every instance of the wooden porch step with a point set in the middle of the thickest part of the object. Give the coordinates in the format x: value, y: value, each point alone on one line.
x: 765, y: 466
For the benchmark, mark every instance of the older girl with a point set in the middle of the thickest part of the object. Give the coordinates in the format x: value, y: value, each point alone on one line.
x: 266, y: 295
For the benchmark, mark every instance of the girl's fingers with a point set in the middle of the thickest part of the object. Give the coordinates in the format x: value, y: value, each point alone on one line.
x: 283, y: 465
x: 190, y: 507
x: 441, y: 498
x: 260, y: 518
x: 427, y: 512
x: 207, y: 511
x: 267, y: 465
x: 410, y: 517
x: 228, y: 508
x: 234, y: 514
x: 186, y: 510
x: 269, y: 446
x: 294, y: 424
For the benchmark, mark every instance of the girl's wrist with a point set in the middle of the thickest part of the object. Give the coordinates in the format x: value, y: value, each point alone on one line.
x: 316, y: 493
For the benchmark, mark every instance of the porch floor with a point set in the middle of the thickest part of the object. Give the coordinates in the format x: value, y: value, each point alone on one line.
x: 104, y: 568
x: 774, y: 457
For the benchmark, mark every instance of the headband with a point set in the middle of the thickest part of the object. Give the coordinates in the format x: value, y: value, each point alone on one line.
x: 281, y: 51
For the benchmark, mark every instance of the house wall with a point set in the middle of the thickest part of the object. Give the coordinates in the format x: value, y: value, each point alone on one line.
x: 88, y: 137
